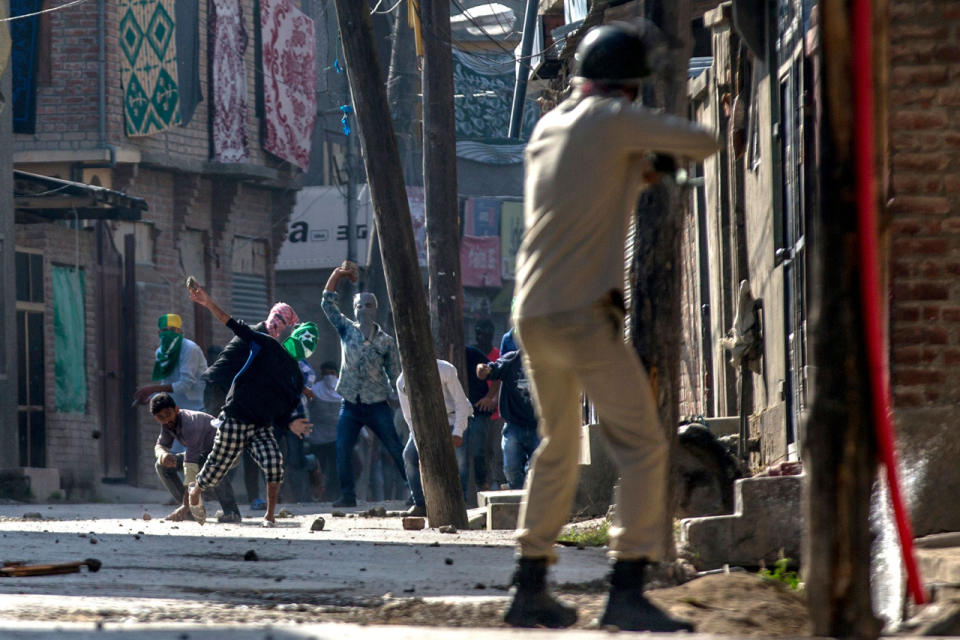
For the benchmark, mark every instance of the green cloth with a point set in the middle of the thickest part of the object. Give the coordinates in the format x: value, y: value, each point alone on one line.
x: 168, y: 354
x: 69, y: 339
x: 148, y: 66
x: 303, y: 341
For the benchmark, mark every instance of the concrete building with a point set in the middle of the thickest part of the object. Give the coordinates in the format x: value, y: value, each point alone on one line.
x: 218, y: 218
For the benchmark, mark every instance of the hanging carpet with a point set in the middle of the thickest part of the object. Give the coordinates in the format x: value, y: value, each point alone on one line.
x: 148, y: 66
x: 228, y: 81
x: 289, y: 81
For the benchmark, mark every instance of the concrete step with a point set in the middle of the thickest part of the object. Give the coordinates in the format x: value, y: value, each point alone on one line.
x: 766, y: 523
x: 500, y: 497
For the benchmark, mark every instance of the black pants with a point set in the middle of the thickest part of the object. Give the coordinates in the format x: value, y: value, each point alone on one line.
x: 170, y: 477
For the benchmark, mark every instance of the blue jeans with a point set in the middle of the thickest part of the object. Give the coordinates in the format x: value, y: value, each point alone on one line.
x: 518, y: 444
x: 411, y: 460
x: 378, y: 417
x: 476, y: 439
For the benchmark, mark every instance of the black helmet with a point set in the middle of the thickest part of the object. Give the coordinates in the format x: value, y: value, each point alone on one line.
x: 615, y: 53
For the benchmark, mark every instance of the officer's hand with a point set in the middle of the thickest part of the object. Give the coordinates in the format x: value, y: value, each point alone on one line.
x: 457, y: 441
x: 169, y: 460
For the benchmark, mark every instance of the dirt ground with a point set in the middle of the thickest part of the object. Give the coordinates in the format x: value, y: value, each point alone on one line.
x: 361, y: 571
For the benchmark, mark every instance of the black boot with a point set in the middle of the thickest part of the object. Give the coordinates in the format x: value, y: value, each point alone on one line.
x: 532, y: 605
x: 628, y: 609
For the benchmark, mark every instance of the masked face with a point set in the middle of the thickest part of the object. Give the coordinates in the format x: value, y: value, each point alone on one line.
x: 365, y: 308
x: 302, y: 342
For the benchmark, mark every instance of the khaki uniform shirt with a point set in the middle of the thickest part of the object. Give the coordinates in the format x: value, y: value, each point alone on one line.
x: 584, y: 170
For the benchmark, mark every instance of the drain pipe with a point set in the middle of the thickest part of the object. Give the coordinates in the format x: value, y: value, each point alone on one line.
x: 76, y: 169
x: 861, y: 37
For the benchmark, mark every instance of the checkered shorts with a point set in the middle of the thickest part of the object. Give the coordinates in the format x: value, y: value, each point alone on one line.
x: 231, y: 439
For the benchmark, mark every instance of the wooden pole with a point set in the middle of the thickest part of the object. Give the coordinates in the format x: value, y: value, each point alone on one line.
x: 440, y: 185
x: 655, y: 273
x: 840, y: 449
x: 441, y: 483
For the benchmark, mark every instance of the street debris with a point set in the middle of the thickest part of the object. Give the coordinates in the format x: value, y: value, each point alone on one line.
x: 20, y: 569
x: 317, y: 524
x: 147, y: 516
x: 414, y: 523
x: 447, y: 528
x: 251, y: 556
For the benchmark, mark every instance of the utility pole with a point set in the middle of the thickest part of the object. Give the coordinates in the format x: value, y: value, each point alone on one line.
x: 400, y: 96
x: 440, y: 185
x: 520, y: 88
x: 840, y: 445
x: 655, y: 246
x: 351, y: 199
x: 441, y: 483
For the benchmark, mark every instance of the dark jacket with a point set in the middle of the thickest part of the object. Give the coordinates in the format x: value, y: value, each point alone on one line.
x: 231, y: 359
x: 267, y: 388
x: 476, y: 388
x: 516, y: 405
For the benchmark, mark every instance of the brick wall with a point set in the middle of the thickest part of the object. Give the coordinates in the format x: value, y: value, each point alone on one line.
x: 924, y: 109
x: 70, y: 445
x: 67, y: 105
x: 221, y: 209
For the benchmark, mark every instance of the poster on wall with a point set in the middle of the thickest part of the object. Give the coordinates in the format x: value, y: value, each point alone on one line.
x: 480, y: 261
x: 481, y: 217
x: 511, y: 233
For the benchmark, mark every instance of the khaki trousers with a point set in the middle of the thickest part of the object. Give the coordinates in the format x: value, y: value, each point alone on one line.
x: 583, y: 350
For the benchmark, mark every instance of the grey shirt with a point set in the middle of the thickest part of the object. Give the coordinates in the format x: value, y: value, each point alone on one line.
x: 195, y: 430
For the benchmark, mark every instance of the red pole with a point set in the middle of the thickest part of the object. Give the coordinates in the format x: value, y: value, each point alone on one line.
x: 862, y: 70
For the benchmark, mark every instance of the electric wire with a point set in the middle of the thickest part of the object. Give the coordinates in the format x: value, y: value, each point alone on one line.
x: 37, y: 13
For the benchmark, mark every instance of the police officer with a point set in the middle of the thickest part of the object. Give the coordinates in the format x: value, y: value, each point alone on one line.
x: 586, y: 162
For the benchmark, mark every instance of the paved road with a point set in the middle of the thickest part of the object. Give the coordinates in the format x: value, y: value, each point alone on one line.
x: 158, y: 573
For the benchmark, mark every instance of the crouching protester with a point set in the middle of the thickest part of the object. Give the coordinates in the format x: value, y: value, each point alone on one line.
x: 265, y: 393
x: 194, y: 429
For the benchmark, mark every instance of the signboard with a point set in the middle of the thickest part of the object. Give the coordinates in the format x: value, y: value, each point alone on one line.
x: 317, y: 232
x: 480, y: 261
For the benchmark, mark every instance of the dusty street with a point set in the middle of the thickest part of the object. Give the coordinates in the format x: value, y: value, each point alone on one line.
x: 168, y: 579
x: 355, y: 569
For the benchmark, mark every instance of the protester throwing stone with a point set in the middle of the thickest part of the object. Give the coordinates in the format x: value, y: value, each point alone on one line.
x: 369, y: 364
x: 265, y: 393
x: 586, y: 162
x: 219, y: 376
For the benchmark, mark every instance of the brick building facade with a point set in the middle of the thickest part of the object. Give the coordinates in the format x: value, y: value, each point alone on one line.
x: 221, y: 222
x: 922, y: 191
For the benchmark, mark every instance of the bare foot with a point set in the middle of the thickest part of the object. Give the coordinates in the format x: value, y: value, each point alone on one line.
x: 179, y: 515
